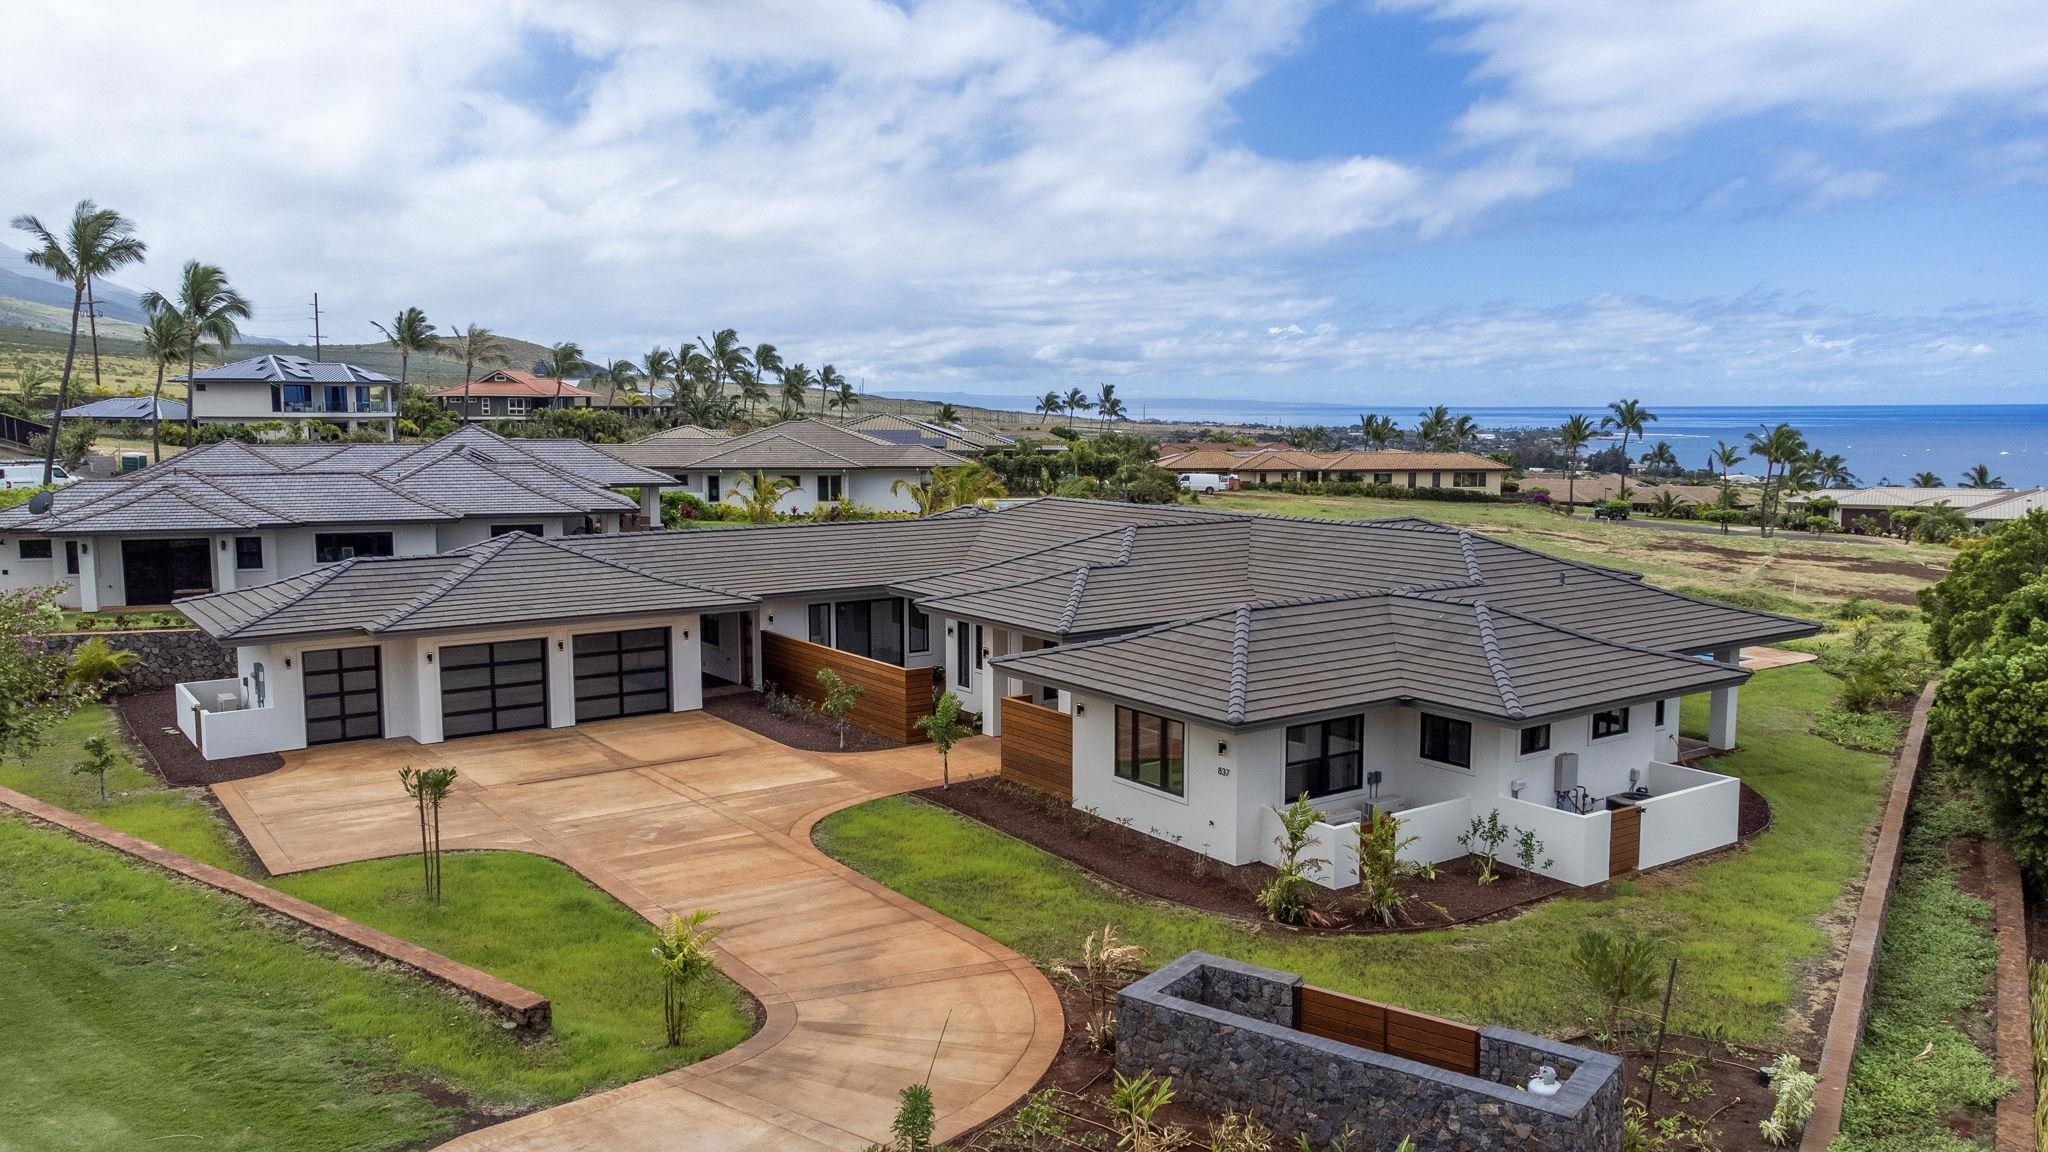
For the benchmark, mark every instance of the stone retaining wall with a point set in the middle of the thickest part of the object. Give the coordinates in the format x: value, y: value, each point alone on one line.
x: 1221, y: 1030
x: 164, y: 656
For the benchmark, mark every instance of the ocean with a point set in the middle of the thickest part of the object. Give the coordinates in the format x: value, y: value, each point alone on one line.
x: 1880, y: 442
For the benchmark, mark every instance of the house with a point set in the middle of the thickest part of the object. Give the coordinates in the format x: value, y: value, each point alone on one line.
x: 275, y: 387
x: 511, y: 394
x: 137, y: 408
x: 821, y: 463
x: 1983, y: 507
x: 1179, y: 670
x: 1462, y: 470
x: 961, y: 438
x: 1587, y: 489
x: 232, y: 515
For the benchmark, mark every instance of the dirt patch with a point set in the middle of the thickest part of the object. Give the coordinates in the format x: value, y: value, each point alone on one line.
x: 808, y: 731
x: 152, y: 724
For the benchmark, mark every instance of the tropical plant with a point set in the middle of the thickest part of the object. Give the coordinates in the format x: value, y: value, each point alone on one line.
x: 796, y: 387
x: 830, y: 384
x: 658, y: 367
x: 1287, y: 897
x: 409, y: 332
x: 1572, y: 436
x: 1378, y: 431
x: 478, y: 347
x: 682, y: 949
x: 428, y: 787
x: 767, y: 363
x: 952, y: 487
x: 1979, y: 476
x: 726, y: 359
x: 1964, y: 606
x: 1105, y: 966
x: 209, y: 307
x: 1791, y: 1100
x: 841, y: 695
x: 944, y: 728
x: 1049, y: 404
x: 97, y: 242
x: 1619, y: 969
x: 1628, y: 418
x: 1108, y: 408
x: 36, y: 688
x: 75, y: 443
x: 758, y: 494
x: 1723, y: 459
x: 915, y: 1120
x: 1134, y: 1104
x: 1779, y: 448
x: 163, y: 341
x: 1440, y: 431
x: 1668, y: 505
x: 1483, y: 839
x: 97, y: 758
x: 947, y: 414
x: 1382, y: 872
x: 844, y: 398
x: 95, y: 666
x: 1075, y: 401
x: 1661, y: 460
x: 1830, y: 470
x: 1926, y: 480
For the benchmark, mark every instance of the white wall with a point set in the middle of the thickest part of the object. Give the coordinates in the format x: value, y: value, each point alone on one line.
x: 869, y: 486
x: 1207, y: 819
x: 477, y: 529
x: 724, y: 660
x: 1576, y: 845
x: 1604, y: 764
x: 1688, y: 812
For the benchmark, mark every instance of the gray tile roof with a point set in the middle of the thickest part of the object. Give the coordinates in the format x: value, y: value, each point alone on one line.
x: 280, y: 369
x: 127, y: 408
x: 793, y: 444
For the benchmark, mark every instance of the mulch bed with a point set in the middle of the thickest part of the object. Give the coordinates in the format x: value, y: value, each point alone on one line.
x: 151, y: 720
x: 810, y: 731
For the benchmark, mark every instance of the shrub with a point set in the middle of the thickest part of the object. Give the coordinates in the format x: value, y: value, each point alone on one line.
x: 1381, y: 871
x: 1879, y: 731
x: 1990, y: 722
x: 683, y: 950
x: 1483, y: 839
x: 679, y: 508
x: 1620, y: 969
x: 1879, y: 664
x: 1106, y: 965
x: 1820, y: 524
x: 1134, y: 1104
x: 1792, y: 1100
x: 1286, y: 899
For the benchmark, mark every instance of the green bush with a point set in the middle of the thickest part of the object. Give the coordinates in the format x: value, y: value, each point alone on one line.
x: 1964, y: 605
x: 680, y: 508
x: 1990, y: 722
x: 1879, y: 664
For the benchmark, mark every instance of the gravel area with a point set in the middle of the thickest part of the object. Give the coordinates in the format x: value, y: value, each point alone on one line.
x: 151, y: 724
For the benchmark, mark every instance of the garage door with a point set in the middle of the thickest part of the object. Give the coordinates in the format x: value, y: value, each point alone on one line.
x: 344, y: 695
x: 621, y: 674
x: 494, y: 687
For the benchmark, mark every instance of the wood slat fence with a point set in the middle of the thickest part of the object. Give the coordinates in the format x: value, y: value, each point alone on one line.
x: 1625, y: 841
x: 1381, y: 1028
x: 892, y: 699
x: 1038, y: 746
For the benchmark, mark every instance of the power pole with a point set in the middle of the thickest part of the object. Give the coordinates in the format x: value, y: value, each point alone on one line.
x: 316, y: 326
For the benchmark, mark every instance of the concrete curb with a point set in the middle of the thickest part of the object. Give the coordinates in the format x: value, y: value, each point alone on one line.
x: 527, y: 1010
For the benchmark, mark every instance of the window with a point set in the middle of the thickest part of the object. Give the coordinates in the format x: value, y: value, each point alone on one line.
x: 1535, y: 739
x: 963, y: 655
x: 1325, y: 758
x: 516, y: 406
x: 35, y: 549
x: 711, y: 487
x: 291, y: 398
x: 1150, y: 751
x: 331, y: 546
x: 980, y: 648
x: 1383, y: 478
x: 248, y: 552
x: 1447, y: 741
x: 821, y: 624
x: 1610, y: 723
x: 920, y: 631
x: 1436, y: 479
x: 709, y: 628
x: 1411, y: 479
x: 529, y: 529
x: 1468, y: 479
x: 870, y: 628
x: 71, y: 557
x: 830, y: 488
x: 483, y: 406
x: 1660, y: 713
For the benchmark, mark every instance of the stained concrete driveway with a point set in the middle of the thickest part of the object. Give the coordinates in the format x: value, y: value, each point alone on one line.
x: 674, y: 813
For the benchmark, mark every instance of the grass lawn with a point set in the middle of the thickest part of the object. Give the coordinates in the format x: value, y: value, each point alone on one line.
x: 1794, y: 572
x: 1743, y: 925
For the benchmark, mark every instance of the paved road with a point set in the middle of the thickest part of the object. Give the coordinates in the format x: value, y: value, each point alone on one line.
x: 679, y: 812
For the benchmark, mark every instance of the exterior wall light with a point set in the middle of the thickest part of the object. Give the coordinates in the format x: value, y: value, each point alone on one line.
x: 1223, y: 747
x: 1080, y: 709
x: 430, y: 657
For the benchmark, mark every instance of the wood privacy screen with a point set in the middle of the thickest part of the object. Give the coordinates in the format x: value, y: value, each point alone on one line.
x: 1038, y: 746
x: 1624, y: 841
x: 892, y: 699
x: 1364, y: 1024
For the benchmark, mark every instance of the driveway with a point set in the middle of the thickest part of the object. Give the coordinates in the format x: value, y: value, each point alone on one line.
x: 685, y: 811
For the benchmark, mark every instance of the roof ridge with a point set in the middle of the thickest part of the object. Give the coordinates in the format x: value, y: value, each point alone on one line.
x: 1240, y: 664
x: 472, y: 562
x: 1073, y: 607
x: 1489, y: 643
x: 322, y: 576
x: 1470, y: 552
x: 1610, y: 642
x: 563, y: 544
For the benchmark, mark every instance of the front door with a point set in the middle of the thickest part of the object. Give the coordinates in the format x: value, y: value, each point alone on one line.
x: 158, y: 571
x: 498, y: 687
x: 344, y: 695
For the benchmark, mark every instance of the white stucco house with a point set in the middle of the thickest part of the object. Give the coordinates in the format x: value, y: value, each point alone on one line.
x: 1183, y: 671
x: 822, y: 463
x: 294, y: 389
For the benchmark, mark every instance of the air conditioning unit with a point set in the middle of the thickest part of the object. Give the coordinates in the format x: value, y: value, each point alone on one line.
x: 1565, y: 772
x: 227, y: 702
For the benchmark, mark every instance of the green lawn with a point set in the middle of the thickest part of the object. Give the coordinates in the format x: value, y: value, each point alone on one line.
x: 1742, y: 925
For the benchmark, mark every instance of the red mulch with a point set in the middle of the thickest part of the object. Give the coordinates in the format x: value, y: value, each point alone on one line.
x: 151, y: 723
x: 811, y: 732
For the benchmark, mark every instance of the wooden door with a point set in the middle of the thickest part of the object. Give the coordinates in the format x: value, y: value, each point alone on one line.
x: 1625, y: 841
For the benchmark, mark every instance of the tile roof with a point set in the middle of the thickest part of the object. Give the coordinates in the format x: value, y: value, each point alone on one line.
x: 1900, y: 496
x: 127, y: 408
x: 280, y: 369
x: 800, y: 444
x: 1222, y: 459
x: 514, y: 382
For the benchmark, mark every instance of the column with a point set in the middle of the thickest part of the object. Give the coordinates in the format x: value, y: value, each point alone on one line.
x: 561, y: 679
x: 224, y: 558
x: 1721, y: 714
x: 686, y: 665
x: 88, y: 572
x: 650, y: 506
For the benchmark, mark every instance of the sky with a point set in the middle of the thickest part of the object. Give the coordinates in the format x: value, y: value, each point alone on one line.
x: 1478, y: 202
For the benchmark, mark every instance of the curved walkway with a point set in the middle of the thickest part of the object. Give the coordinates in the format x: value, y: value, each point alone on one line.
x: 673, y: 813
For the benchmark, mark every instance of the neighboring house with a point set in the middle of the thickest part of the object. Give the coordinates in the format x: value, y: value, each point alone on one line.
x: 293, y: 388
x: 1588, y: 489
x: 1401, y: 469
x: 511, y: 394
x: 128, y: 408
x: 1183, y: 672
x: 959, y: 438
x: 1984, y: 507
x: 823, y: 464
x: 229, y: 515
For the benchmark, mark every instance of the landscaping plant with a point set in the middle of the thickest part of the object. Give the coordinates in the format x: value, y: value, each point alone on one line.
x: 944, y: 728
x: 1619, y: 968
x: 1106, y: 965
x: 1792, y: 1096
x: 1134, y: 1104
x: 1381, y: 871
x: 428, y: 787
x: 841, y: 695
x: 1529, y: 850
x: 99, y: 759
x: 36, y: 685
x: 682, y: 947
x: 1286, y: 899
x: 915, y: 1119
x: 97, y: 666
x: 1483, y: 839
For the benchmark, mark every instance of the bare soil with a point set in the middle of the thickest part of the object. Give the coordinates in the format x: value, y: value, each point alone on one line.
x: 808, y: 731
x: 153, y: 726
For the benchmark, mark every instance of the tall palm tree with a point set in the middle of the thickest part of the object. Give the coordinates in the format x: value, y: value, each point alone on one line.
x: 693, y: 375
x: 796, y: 390
x: 1832, y: 471
x: 409, y: 332
x: 767, y: 363
x: 1661, y: 459
x: 830, y: 383
x: 1433, y: 425
x: 753, y: 389
x: 845, y: 398
x: 619, y: 376
x: 1050, y: 404
x: 1109, y: 408
x: 726, y: 357
x: 1628, y: 417
x: 1979, y: 476
x: 163, y: 341
x: 565, y: 359
x: 1075, y: 401
x: 1777, y: 447
x: 1724, y: 458
x: 97, y: 242
x: 209, y: 306
x: 1572, y: 436
x: 479, y: 347
x: 1926, y: 480
x: 1378, y: 431
x: 659, y: 367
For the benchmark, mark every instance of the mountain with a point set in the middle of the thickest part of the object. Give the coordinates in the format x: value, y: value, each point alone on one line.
x: 22, y: 282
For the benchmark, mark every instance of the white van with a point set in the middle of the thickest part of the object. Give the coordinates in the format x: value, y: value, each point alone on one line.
x: 29, y: 474
x: 1207, y: 483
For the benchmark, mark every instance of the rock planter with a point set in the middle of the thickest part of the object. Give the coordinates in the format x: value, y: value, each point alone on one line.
x: 163, y: 656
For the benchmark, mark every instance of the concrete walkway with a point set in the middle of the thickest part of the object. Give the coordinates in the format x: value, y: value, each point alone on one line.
x: 673, y: 813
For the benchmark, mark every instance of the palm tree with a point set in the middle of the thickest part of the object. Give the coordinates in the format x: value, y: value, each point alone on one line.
x: 1661, y: 459
x: 619, y: 376
x: 209, y: 307
x: 98, y: 241
x: 1049, y: 404
x: 1378, y: 431
x: 1832, y: 471
x: 565, y: 359
x: 1781, y: 445
x: 693, y: 375
x: 757, y: 495
x: 409, y: 333
x: 830, y: 383
x: 952, y: 487
x: 1109, y: 408
x: 478, y: 346
x: 163, y: 341
x: 845, y: 399
x: 1572, y: 436
x: 659, y: 366
x: 33, y: 379
x: 796, y: 389
x: 767, y: 362
x: 753, y: 389
x: 1075, y: 401
x: 1979, y: 476
x: 1668, y: 505
x: 1926, y: 480
x: 1724, y: 458
x: 725, y: 357
x: 1433, y: 426
x: 1628, y: 417
x: 947, y: 414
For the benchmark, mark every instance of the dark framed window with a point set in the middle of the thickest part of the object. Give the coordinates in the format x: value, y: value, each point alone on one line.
x: 529, y: 529
x: 1468, y: 479
x: 1151, y: 750
x: 1660, y: 713
x: 870, y: 628
x: 1386, y: 478
x: 711, y: 487
x: 71, y: 557
x: 920, y: 639
x: 1535, y: 738
x: 35, y: 549
x: 830, y: 489
x: 708, y: 629
x: 1613, y: 722
x: 1447, y: 741
x: 963, y: 655
x: 980, y: 648
x: 329, y: 547
x: 820, y: 625
x: 1326, y: 758
x: 248, y: 552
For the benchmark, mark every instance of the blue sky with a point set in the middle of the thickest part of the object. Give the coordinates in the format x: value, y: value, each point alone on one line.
x: 1473, y: 201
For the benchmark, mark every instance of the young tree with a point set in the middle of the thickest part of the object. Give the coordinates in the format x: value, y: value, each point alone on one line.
x: 682, y: 948
x: 1286, y: 899
x: 209, y: 306
x: 841, y: 695
x: 97, y: 758
x: 757, y: 494
x: 428, y: 787
x: 944, y: 728
x: 36, y: 685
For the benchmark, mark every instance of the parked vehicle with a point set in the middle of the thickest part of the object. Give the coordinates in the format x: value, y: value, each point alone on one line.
x: 29, y: 474
x: 1208, y: 483
x: 1612, y: 510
